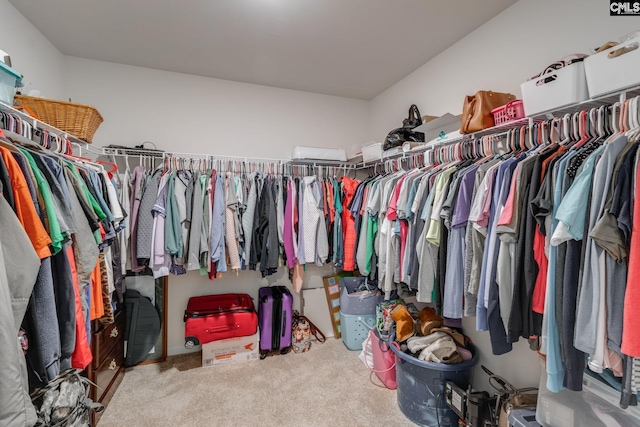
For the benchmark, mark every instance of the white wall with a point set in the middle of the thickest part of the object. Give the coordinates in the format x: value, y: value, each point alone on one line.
x: 180, y: 112
x: 31, y: 53
x: 506, y: 51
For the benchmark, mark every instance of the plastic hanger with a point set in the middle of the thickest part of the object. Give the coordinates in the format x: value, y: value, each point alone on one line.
x: 601, y: 121
x: 112, y: 170
x: 523, y: 137
x: 565, y: 129
x: 632, y: 119
x: 614, y: 119
x: 582, y: 129
x: 509, y: 140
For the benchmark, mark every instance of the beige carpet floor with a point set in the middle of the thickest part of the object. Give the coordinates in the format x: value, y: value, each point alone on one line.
x: 327, y: 386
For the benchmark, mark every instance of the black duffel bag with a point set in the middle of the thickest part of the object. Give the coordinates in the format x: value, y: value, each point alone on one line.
x: 399, y: 136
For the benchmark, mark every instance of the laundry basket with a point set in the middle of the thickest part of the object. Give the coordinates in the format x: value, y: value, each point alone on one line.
x: 355, y: 328
x: 78, y: 120
x: 353, y: 301
x: 513, y: 110
x: 421, y: 387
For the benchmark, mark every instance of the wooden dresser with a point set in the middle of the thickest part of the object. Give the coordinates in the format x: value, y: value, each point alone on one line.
x: 107, y: 370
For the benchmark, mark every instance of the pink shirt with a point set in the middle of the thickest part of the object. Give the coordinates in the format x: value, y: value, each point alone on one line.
x: 507, y: 211
x: 393, y: 204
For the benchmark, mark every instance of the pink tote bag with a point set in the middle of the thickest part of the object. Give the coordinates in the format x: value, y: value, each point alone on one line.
x: 384, y: 362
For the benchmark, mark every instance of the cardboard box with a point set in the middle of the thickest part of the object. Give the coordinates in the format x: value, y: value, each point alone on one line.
x: 372, y: 152
x: 315, y: 308
x: 238, y: 349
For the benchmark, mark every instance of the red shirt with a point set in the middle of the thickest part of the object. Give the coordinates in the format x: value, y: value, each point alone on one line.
x: 349, y: 187
x: 630, y: 337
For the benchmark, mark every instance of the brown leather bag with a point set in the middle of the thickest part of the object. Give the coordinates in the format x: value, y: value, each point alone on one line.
x: 476, y: 111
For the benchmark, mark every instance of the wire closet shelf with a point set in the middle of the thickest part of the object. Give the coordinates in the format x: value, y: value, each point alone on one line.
x: 503, y: 129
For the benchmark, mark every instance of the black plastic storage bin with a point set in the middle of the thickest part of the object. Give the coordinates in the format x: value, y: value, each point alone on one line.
x: 421, y: 387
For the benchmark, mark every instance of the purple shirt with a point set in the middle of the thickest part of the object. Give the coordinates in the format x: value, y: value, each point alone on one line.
x: 465, y: 194
x: 288, y: 226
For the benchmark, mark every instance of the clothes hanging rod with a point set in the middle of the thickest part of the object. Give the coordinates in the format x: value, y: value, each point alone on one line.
x: 24, y: 141
x: 83, y: 149
x: 141, y: 152
x: 501, y: 130
x: 496, y: 131
x: 323, y: 163
x: 39, y: 124
x: 292, y: 162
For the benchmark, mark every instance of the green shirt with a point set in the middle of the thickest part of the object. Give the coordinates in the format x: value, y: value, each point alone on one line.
x: 83, y: 192
x: 172, y: 226
x: 56, y: 234
x: 92, y: 200
x: 433, y: 230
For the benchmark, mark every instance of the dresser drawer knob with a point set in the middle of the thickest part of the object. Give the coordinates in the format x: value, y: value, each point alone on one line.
x: 113, y: 365
x: 114, y: 333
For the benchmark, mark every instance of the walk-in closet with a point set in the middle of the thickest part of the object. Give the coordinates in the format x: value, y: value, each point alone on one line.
x: 319, y: 213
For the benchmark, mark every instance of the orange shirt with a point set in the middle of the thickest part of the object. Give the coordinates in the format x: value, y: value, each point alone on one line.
x: 331, y: 203
x: 25, y: 209
x: 97, y: 305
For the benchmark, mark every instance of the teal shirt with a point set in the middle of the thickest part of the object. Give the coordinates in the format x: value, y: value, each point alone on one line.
x: 572, y: 211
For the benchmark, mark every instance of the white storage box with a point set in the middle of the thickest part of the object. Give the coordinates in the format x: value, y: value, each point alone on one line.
x: 447, y: 137
x: 237, y: 349
x: 8, y: 80
x: 592, y: 406
x: 569, y: 87
x: 607, y: 73
x: 392, y: 152
x: 315, y: 153
x: 372, y: 152
x: 440, y: 126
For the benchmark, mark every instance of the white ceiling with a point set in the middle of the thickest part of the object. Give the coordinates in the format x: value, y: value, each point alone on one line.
x: 350, y: 48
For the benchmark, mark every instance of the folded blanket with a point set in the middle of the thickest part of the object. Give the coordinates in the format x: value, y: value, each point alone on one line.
x: 417, y: 343
x: 442, y: 350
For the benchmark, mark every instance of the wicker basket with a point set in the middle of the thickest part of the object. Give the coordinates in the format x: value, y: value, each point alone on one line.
x: 78, y: 120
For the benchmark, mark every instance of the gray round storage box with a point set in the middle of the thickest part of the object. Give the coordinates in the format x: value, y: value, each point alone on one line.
x: 420, y: 383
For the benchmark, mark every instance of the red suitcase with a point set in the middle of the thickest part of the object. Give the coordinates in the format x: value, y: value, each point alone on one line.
x: 217, y: 317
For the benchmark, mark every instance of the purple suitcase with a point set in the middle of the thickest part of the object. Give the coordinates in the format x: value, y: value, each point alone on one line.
x: 275, y: 307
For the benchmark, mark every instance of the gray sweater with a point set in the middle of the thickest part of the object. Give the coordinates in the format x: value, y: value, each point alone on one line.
x: 18, y: 270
